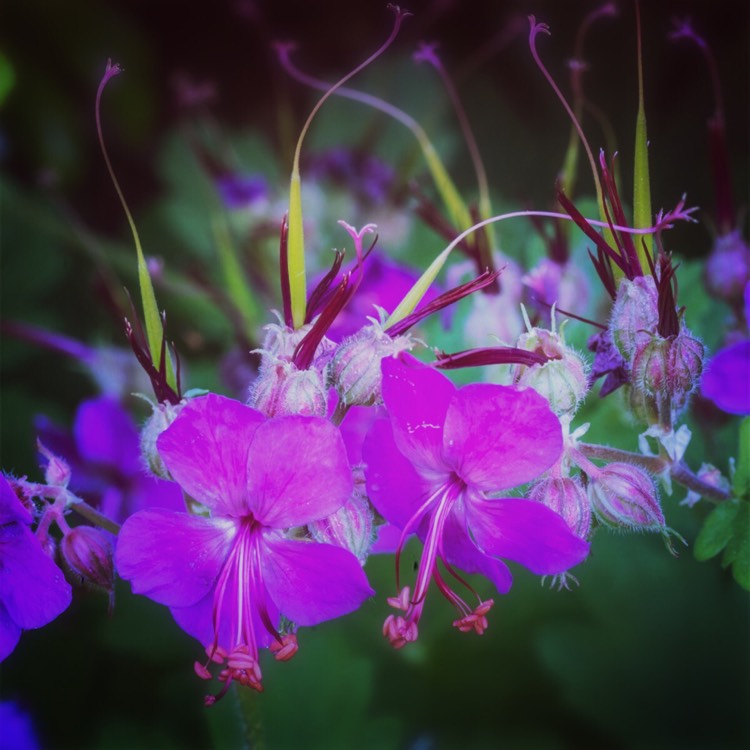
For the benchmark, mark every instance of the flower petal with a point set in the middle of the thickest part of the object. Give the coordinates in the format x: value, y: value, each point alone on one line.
x: 10, y: 633
x: 393, y: 484
x: 297, y: 471
x: 173, y: 558
x: 727, y: 380
x: 417, y: 398
x: 497, y: 436
x: 11, y: 508
x: 311, y: 582
x: 459, y: 550
x: 32, y: 588
x: 526, y: 532
x: 206, y: 451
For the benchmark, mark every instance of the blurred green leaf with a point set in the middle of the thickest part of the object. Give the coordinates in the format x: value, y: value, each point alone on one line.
x: 737, y: 552
x: 741, y: 482
x: 717, y: 531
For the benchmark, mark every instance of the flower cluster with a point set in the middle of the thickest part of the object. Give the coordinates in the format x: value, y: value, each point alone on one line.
x: 252, y: 517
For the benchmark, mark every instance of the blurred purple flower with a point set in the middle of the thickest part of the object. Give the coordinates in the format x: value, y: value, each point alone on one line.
x: 430, y: 469
x: 368, y: 177
x: 33, y: 590
x: 726, y: 381
x: 105, y: 458
x: 17, y: 729
x: 228, y: 575
x: 241, y: 190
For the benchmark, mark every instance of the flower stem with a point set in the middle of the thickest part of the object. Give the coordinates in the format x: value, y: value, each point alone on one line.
x: 678, y: 470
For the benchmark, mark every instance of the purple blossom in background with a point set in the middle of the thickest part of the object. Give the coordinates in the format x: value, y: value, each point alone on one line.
x: 17, y: 731
x: 241, y: 190
x: 726, y: 381
x: 105, y: 458
x: 228, y: 575
x: 33, y: 590
x: 430, y: 468
x: 370, y: 178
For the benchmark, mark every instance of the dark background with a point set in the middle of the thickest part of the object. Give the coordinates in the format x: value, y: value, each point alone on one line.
x: 650, y: 652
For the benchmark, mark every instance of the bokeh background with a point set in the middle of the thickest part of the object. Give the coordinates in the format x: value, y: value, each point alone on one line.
x: 650, y: 651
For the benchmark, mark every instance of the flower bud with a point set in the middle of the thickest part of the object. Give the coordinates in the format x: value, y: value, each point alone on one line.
x: 349, y: 527
x: 624, y: 496
x: 282, y: 389
x: 562, y: 380
x: 635, y: 315
x: 163, y: 415
x: 88, y: 553
x: 355, y: 367
x: 567, y: 497
x: 665, y: 372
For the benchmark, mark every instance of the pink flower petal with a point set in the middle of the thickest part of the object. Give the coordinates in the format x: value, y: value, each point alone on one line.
x: 393, y: 485
x: 459, y: 550
x: 526, y: 532
x: 311, y: 582
x: 726, y: 380
x: 297, y: 471
x: 206, y: 451
x: 417, y: 399
x: 173, y: 558
x: 497, y: 437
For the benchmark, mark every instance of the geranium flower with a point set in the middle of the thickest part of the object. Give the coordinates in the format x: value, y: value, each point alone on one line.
x: 431, y: 468
x: 33, y: 590
x: 229, y: 574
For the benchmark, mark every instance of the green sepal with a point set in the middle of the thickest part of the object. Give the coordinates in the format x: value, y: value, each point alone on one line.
x: 717, y: 530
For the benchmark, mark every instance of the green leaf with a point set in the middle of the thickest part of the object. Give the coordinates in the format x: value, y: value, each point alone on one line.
x: 741, y: 482
x: 737, y: 552
x: 716, y: 531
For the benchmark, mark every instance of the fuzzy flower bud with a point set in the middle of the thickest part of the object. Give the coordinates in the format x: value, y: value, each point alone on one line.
x: 355, y: 367
x: 57, y: 472
x: 349, y: 527
x: 163, y: 415
x: 567, y: 497
x: 562, y: 380
x: 624, y: 496
x: 88, y: 552
x: 635, y: 314
x: 282, y: 389
x: 665, y: 372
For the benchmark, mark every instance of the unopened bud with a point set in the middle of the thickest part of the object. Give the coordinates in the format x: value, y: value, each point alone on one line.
x: 88, y: 553
x: 163, y: 415
x: 562, y: 380
x: 282, y: 389
x: 665, y: 372
x: 635, y: 315
x: 355, y: 367
x: 57, y: 471
x: 349, y: 527
x: 567, y: 497
x: 624, y: 496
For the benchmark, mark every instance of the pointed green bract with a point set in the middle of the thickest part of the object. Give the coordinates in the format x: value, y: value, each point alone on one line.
x: 296, y: 252
x: 235, y: 279
x: 741, y: 480
x: 641, y: 179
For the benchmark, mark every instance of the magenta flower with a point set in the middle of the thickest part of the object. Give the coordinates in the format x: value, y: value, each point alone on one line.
x: 229, y: 573
x: 33, y: 590
x: 430, y: 469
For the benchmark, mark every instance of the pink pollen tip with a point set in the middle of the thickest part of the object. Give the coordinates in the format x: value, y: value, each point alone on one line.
x: 427, y: 53
x: 537, y: 28
x: 111, y: 70
x: 286, y: 649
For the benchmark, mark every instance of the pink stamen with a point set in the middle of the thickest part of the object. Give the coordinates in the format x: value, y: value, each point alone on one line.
x: 477, y: 620
x: 286, y: 648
